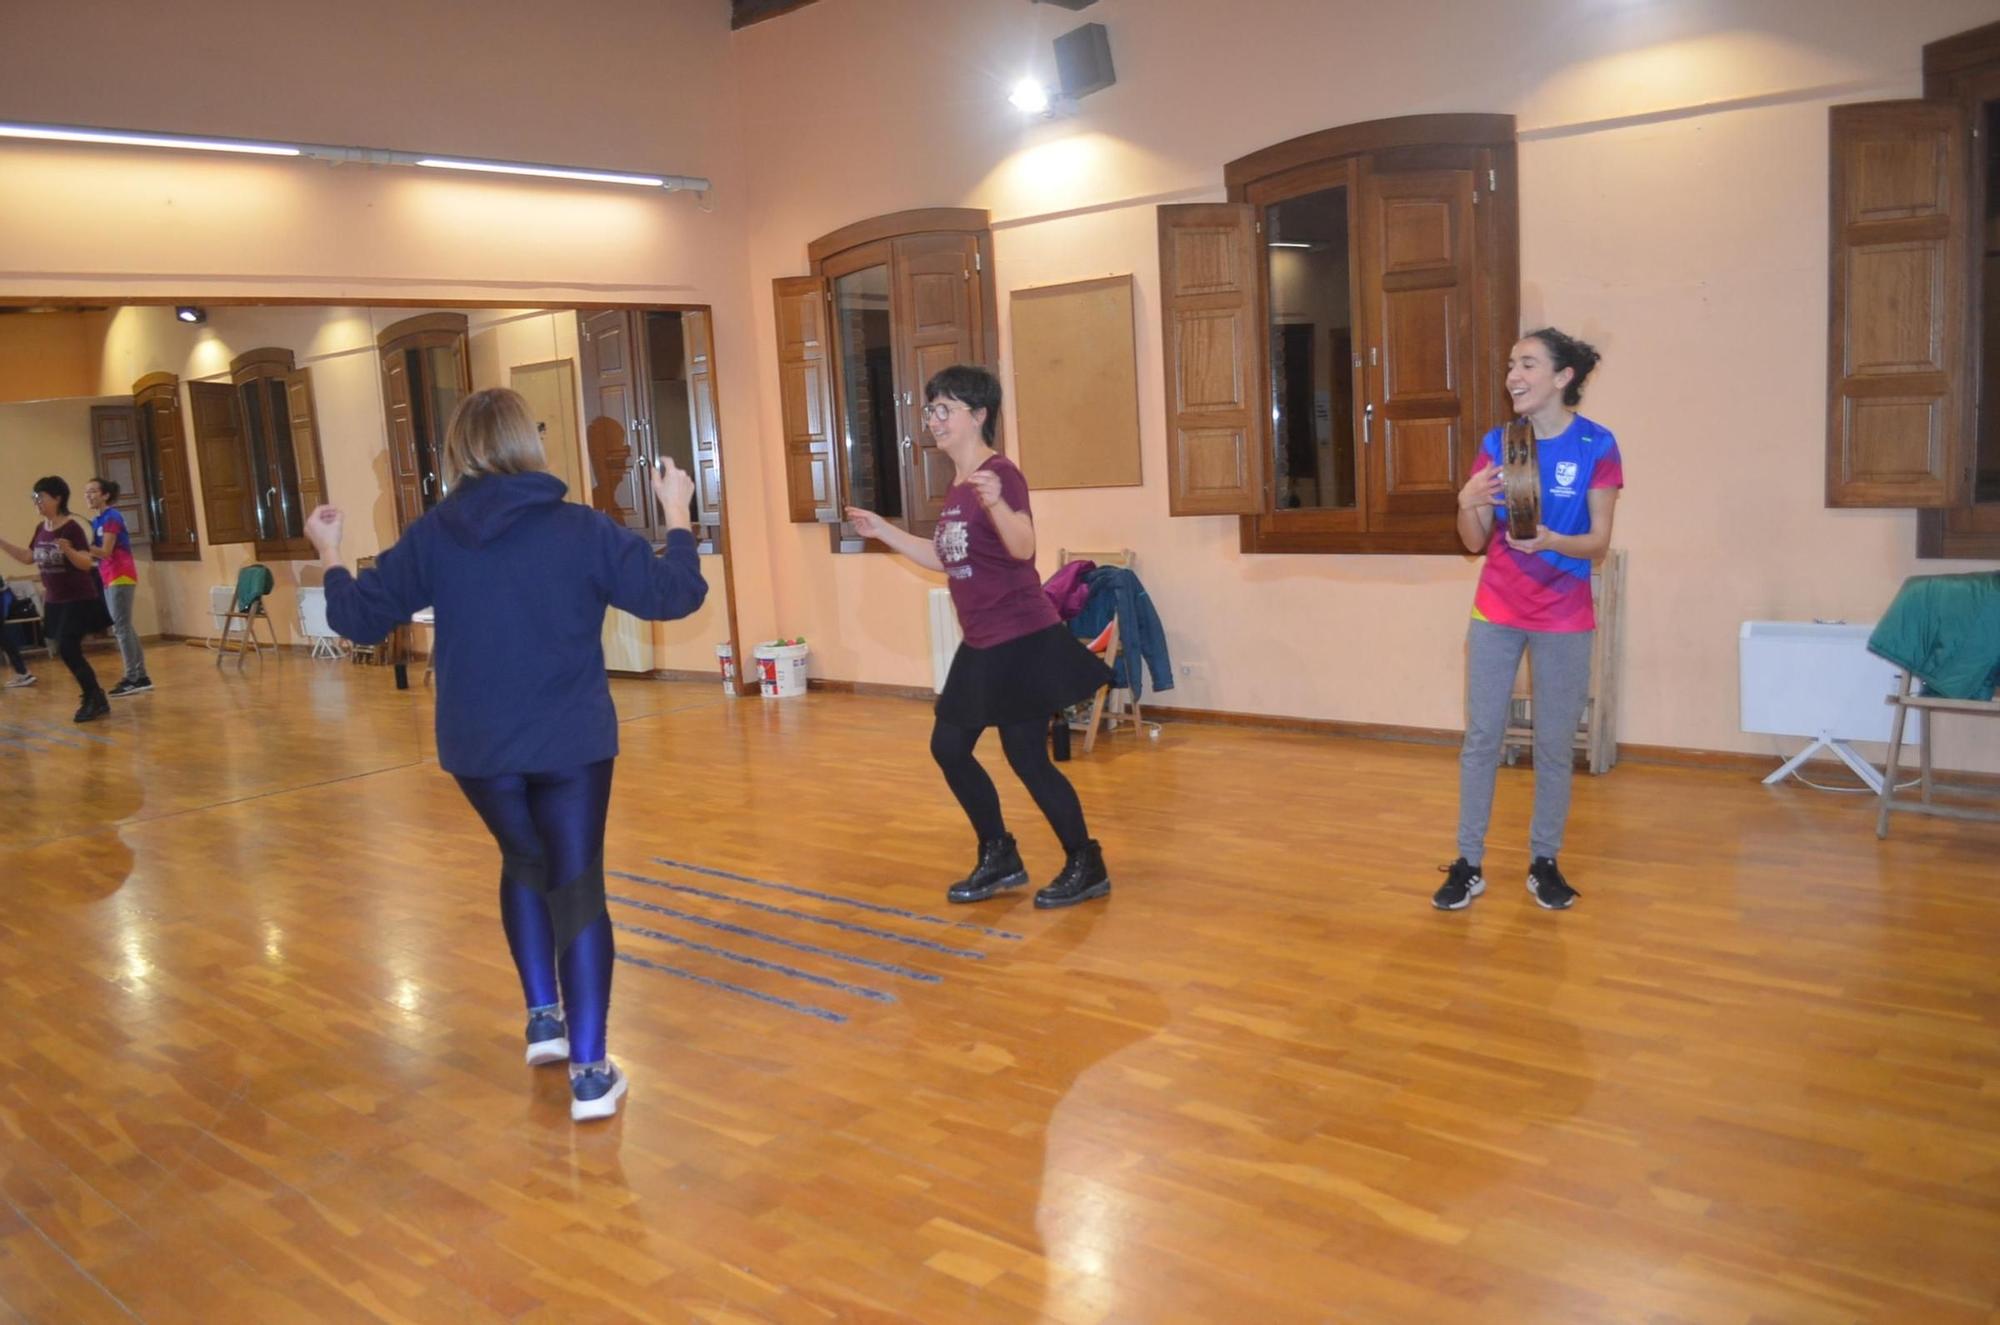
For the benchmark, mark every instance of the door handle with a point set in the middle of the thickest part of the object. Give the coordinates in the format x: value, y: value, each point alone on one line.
x: 1368, y: 424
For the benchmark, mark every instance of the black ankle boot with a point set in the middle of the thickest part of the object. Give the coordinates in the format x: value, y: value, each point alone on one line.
x: 1083, y: 877
x: 95, y: 706
x: 999, y: 869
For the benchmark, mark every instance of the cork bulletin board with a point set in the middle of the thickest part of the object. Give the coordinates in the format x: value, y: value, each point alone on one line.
x: 1076, y: 384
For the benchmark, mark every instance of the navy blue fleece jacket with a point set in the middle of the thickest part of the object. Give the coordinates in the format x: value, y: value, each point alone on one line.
x: 520, y: 579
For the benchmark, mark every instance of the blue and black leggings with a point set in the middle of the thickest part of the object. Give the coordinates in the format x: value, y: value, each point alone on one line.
x: 550, y: 827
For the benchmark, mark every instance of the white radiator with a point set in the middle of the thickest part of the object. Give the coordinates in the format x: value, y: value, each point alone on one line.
x: 221, y: 597
x: 945, y: 637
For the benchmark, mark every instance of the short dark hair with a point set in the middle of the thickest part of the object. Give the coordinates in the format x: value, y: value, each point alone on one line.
x: 109, y: 486
x: 973, y: 387
x: 1566, y: 351
x: 56, y: 488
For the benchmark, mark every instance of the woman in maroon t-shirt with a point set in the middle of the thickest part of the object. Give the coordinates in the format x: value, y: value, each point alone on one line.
x: 1019, y: 663
x: 72, y: 607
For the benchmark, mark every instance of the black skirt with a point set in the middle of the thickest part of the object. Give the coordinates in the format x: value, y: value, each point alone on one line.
x: 66, y: 620
x: 1022, y: 679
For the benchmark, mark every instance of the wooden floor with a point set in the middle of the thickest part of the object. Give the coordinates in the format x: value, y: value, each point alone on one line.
x: 261, y: 1059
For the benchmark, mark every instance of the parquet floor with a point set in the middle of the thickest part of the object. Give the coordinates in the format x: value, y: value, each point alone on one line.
x: 261, y: 1056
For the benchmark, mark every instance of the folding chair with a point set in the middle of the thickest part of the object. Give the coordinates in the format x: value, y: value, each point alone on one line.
x: 1106, y: 709
x: 253, y: 582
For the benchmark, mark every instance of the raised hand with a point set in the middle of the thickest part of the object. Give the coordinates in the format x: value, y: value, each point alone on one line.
x: 866, y: 523
x: 987, y: 484
x: 324, y: 528
x: 674, y: 487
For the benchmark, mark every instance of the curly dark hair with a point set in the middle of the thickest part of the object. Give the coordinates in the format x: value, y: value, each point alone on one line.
x: 1566, y: 351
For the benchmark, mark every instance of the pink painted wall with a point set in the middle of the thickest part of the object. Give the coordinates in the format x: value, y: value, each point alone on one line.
x: 1673, y: 208
x: 1685, y: 235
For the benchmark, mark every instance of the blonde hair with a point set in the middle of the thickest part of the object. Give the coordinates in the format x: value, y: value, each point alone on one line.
x: 492, y: 432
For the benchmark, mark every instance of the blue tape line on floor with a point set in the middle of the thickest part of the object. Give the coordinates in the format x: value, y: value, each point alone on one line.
x: 776, y: 968
x: 966, y: 953
x: 744, y: 931
x: 809, y: 1009
x: 797, y: 891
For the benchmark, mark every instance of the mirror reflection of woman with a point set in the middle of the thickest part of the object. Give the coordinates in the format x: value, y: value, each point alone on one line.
x: 520, y: 580
x: 1534, y: 594
x: 72, y: 606
x: 1018, y: 665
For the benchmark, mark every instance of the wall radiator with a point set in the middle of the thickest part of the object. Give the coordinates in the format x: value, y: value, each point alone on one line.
x: 945, y: 637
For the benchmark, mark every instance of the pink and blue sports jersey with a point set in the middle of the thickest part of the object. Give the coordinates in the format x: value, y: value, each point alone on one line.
x: 1547, y: 590
x: 109, y: 529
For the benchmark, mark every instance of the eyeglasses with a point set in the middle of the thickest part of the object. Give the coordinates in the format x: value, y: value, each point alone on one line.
x: 940, y: 410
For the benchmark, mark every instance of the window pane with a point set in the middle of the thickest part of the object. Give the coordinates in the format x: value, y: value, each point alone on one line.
x: 1986, y: 471
x: 426, y: 429
x: 868, y: 383
x: 256, y: 438
x: 286, y: 517
x: 1312, y: 351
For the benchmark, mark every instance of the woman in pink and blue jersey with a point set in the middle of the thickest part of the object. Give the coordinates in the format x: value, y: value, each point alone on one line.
x: 1533, y: 594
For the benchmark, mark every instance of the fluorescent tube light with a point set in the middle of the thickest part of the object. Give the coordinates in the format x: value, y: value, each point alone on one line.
x: 66, y: 133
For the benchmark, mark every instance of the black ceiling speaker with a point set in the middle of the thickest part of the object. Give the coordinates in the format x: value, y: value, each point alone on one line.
x: 1068, y: 4
x: 1083, y: 61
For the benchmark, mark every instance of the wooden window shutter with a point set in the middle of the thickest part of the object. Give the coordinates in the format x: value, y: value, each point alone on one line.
x: 1213, y: 349
x: 114, y: 441
x: 617, y: 412
x: 707, y: 445
x: 805, y: 393
x: 226, y: 483
x: 935, y: 319
x: 305, y: 440
x: 404, y: 470
x: 1898, y: 387
x: 164, y: 443
x: 1417, y: 303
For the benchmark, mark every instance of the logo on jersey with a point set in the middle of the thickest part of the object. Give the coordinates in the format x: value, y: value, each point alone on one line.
x: 1565, y: 473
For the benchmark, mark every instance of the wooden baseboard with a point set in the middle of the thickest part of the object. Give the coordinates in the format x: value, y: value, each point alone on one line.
x: 1365, y: 731
x: 874, y: 688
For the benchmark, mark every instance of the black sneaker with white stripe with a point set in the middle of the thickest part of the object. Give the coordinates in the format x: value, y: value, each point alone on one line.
x: 1551, y: 890
x: 1461, y: 884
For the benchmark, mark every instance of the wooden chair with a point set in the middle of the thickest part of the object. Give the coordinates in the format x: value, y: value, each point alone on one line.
x: 253, y: 584
x: 1107, y: 709
x: 1906, y: 702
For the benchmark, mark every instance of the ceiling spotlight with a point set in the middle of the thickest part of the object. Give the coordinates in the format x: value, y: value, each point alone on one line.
x: 1030, y: 97
x: 190, y: 313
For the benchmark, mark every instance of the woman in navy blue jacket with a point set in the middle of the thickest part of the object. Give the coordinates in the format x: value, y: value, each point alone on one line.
x: 520, y: 580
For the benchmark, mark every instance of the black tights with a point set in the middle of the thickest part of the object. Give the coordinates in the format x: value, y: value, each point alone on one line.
x: 1027, y: 750
x: 68, y: 643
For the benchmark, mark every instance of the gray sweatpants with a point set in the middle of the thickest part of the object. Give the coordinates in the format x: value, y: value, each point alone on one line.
x: 1559, y: 662
x: 118, y: 597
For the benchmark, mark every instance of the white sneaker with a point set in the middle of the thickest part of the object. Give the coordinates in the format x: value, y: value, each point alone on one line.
x: 24, y: 679
x: 548, y: 1039
x: 594, y: 1092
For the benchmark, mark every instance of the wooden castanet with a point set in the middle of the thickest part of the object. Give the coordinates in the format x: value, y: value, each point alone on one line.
x: 1521, y: 479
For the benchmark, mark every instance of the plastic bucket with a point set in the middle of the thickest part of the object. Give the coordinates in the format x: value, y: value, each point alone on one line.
x: 781, y: 669
x: 725, y: 661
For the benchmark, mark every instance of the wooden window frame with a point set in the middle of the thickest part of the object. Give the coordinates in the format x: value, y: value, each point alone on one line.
x: 171, y: 511
x: 1964, y: 70
x: 1484, y: 144
x: 898, y: 237
x: 417, y: 489
x: 274, y: 487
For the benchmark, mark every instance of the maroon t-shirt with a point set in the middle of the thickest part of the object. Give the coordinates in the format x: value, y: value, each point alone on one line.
x: 998, y: 595
x: 62, y: 582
